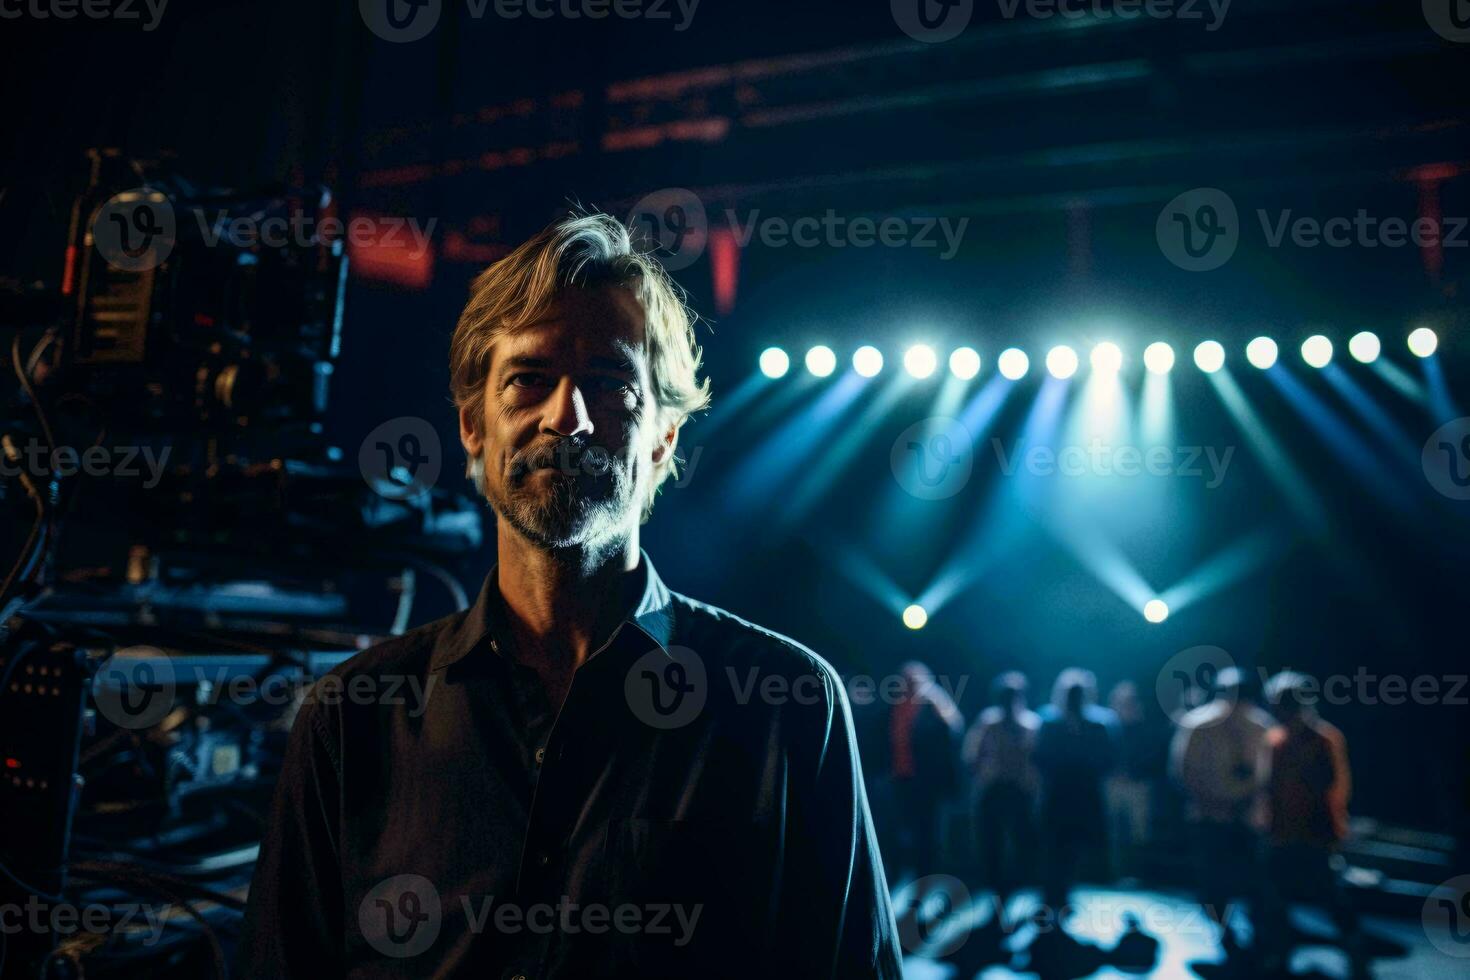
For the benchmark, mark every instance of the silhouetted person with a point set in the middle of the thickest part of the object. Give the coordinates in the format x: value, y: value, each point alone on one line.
x: 1220, y: 758
x: 923, y: 729
x: 1309, y: 788
x: 1074, y: 754
x: 1130, y: 789
x: 999, y: 752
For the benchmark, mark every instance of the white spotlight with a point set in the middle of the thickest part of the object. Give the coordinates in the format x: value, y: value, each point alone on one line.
x: 1107, y: 358
x: 1261, y: 352
x: 1209, y: 356
x: 964, y: 363
x: 1317, y: 351
x: 915, y: 616
x: 1156, y: 610
x: 774, y: 362
x: 1013, y: 363
x: 920, y: 360
x: 867, y: 361
x: 1061, y: 361
x: 1423, y: 342
x: 1365, y: 347
x: 821, y: 361
x: 1158, y: 357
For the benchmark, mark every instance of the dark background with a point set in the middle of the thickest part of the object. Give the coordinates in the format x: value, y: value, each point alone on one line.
x: 1059, y: 140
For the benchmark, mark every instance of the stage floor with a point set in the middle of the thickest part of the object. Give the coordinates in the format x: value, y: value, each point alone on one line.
x: 977, y: 943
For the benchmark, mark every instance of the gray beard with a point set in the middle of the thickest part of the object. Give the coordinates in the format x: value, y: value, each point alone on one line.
x: 577, y: 511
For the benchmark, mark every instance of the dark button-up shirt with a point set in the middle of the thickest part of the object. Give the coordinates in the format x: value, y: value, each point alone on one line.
x: 695, y: 809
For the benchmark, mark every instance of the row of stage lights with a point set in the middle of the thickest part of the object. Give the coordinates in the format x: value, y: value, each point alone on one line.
x: 921, y: 361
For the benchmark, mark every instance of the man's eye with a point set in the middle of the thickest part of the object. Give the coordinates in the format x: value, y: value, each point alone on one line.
x: 614, y: 385
x: 527, y: 379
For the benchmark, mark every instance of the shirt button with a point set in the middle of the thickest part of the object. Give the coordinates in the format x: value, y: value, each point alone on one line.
x: 540, y: 755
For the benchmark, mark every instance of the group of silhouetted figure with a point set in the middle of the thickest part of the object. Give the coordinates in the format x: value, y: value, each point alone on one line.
x: 1251, y: 781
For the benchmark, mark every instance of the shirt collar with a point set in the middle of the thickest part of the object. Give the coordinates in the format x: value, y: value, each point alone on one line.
x: 652, y: 615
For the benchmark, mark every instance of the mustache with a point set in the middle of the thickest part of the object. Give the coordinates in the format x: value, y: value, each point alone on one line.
x: 568, y: 455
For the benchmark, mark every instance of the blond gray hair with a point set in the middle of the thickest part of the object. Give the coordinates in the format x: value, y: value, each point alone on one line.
x: 581, y: 251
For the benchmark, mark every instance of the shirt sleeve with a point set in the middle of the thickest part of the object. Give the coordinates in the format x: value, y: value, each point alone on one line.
x: 293, y: 918
x: 835, y: 908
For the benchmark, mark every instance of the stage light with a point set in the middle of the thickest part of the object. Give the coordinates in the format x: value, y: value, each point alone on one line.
x: 867, y: 361
x: 1317, y: 351
x: 1423, y: 342
x: 914, y: 617
x: 774, y: 362
x: 1156, y: 610
x: 1013, y: 363
x: 1061, y: 362
x: 1209, y: 357
x: 1365, y: 347
x: 1261, y: 352
x: 920, y: 360
x: 964, y: 363
x: 821, y: 361
x: 1158, y: 357
x: 1107, y: 358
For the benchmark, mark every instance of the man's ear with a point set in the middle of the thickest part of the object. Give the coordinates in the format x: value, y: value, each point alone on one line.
x: 469, y: 433
x: 667, y: 442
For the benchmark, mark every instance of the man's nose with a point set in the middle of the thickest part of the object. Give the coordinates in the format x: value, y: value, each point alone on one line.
x: 566, y: 411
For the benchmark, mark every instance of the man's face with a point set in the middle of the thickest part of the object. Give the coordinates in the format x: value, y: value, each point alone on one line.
x: 569, y: 435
